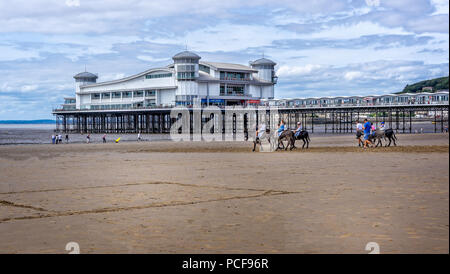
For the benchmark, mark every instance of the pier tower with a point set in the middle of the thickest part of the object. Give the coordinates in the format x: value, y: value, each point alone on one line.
x: 83, y: 78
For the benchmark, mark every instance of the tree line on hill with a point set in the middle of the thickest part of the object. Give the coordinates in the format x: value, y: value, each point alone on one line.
x: 432, y: 85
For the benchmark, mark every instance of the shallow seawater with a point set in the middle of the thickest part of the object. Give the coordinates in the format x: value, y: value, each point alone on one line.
x: 41, y: 134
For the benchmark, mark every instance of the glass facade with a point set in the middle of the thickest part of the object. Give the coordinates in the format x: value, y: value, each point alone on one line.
x: 150, y: 102
x: 240, y: 76
x: 150, y: 92
x: 185, y: 100
x: 263, y: 66
x: 204, y: 68
x: 186, y: 75
x: 186, y: 60
x: 69, y: 101
x: 68, y: 107
x: 95, y: 96
x: 185, y: 67
x: 114, y: 106
x: 153, y: 76
x: 232, y: 90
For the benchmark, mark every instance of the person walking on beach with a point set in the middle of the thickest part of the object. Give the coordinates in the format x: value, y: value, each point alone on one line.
x: 88, y: 138
x: 367, y: 127
x: 104, y: 138
x: 359, y: 132
x: 67, y: 138
x: 53, y: 139
x: 60, y: 138
x: 139, y: 136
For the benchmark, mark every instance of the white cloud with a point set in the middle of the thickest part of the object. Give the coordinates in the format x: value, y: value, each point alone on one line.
x: 352, y: 75
x: 354, y: 30
x: 152, y: 59
x: 373, y: 3
x: 228, y: 37
x: 11, y: 53
x: 441, y: 6
x: 73, y: 3
x: 288, y: 71
x: 27, y: 88
x: 310, y: 40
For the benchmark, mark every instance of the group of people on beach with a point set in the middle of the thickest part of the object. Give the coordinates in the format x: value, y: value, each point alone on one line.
x: 57, y: 139
x: 368, y: 130
x: 281, y: 127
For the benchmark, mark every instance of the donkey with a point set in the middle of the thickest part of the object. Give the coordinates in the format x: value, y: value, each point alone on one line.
x: 266, y: 136
x: 385, y: 134
x: 289, y: 136
x: 304, y: 136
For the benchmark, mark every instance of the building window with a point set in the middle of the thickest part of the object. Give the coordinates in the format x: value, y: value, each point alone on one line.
x: 69, y: 101
x: 186, y: 68
x: 126, y: 94
x: 116, y: 95
x: 186, y: 60
x: 153, y: 76
x: 186, y: 75
x: 138, y: 94
x: 95, y: 96
x: 225, y: 75
x: 106, y: 95
x: 233, y: 90
x: 150, y: 102
x: 150, y: 92
x: 204, y: 68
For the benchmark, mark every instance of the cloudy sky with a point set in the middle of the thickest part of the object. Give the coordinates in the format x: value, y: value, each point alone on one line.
x: 322, y: 47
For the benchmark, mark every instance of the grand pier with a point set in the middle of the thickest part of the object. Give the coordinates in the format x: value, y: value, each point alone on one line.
x: 317, y: 118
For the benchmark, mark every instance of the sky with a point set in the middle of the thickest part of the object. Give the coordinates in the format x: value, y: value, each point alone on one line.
x: 321, y: 47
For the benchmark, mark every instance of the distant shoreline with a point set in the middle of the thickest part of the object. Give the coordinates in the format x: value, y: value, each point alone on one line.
x: 26, y: 122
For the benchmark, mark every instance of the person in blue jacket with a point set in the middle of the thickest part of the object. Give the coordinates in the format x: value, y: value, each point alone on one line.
x: 281, y: 128
x: 367, y: 127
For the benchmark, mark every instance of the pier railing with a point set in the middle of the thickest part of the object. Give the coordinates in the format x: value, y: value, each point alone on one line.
x: 285, y: 106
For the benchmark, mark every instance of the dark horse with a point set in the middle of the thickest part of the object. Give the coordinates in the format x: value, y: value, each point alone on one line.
x: 287, y: 135
x: 304, y: 136
x: 385, y: 134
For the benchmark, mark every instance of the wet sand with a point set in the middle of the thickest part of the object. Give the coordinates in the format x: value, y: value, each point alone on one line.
x: 219, y: 197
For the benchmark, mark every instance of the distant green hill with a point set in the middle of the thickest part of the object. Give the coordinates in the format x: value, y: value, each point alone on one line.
x: 436, y: 84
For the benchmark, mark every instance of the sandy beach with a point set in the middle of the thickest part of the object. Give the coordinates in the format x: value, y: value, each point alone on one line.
x: 219, y: 197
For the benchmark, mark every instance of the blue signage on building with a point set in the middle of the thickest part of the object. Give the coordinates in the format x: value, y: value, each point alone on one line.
x: 214, y: 101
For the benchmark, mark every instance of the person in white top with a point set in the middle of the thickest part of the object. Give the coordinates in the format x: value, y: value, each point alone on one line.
x: 359, y: 132
x: 261, y: 131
